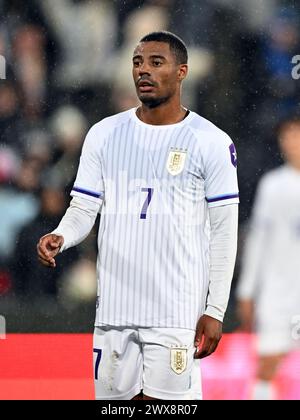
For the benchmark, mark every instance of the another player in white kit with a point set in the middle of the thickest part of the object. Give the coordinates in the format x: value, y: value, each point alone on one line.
x: 165, y: 181
x: 269, y: 287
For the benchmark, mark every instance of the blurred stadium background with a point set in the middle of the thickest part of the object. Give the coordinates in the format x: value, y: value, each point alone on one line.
x: 67, y: 66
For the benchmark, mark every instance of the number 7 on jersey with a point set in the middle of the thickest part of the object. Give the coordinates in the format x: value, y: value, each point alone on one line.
x: 149, y: 192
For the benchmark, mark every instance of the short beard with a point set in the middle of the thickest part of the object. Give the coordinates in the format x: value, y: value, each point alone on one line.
x: 154, y: 102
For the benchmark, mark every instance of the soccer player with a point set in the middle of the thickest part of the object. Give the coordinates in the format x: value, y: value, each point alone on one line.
x: 269, y: 287
x: 165, y: 181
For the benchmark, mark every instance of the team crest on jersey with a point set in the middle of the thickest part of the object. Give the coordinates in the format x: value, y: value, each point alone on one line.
x: 178, y: 359
x: 176, y: 161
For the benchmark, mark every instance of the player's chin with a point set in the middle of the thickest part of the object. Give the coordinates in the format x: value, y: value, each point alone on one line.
x: 150, y: 100
x: 146, y: 97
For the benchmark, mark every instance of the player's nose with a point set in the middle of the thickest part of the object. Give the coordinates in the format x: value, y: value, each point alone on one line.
x: 144, y: 69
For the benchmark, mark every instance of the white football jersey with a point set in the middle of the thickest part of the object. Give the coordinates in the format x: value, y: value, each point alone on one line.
x: 271, y: 262
x: 155, y: 184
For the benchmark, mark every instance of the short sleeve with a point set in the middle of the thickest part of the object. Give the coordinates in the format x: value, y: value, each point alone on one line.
x: 221, y: 185
x: 89, y: 180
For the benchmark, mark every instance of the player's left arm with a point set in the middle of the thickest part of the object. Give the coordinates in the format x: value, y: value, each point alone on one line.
x: 222, y: 196
x: 223, y: 246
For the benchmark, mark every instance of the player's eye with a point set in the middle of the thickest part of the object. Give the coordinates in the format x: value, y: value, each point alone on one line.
x: 157, y: 63
x: 136, y: 63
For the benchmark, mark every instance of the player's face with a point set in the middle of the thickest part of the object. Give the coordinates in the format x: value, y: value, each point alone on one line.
x: 290, y: 144
x: 156, y: 74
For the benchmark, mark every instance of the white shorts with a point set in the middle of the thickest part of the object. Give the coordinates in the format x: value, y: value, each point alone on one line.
x: 275, y: 343
x: 278, y: 334
x: 158, y: 361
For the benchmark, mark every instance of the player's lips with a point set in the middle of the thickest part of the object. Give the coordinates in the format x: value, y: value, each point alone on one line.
x: 145, y: 86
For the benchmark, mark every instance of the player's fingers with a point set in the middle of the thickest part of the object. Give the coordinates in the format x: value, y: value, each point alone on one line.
x: 198, y: 336
x: 42, y: 254
x: 46, y: 253
x: 47, y: 263
x: 52, y: 253
x: 55, y: 242
x: 42, y: 247
x: 212, y: 346
x: 209, y: 346
x: 202, y: 350
x: 200, y: 354
x: 198, y: 340
x: 50, y: 243
x: 46, y: 258
x: 54, y: 245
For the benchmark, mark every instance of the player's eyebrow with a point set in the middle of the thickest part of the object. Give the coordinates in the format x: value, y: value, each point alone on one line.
x: 157, y: 56
x: 151, y: 56
x: 137, y: 56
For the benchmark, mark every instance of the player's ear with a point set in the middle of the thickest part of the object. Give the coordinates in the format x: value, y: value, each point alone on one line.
x: 182, y: 71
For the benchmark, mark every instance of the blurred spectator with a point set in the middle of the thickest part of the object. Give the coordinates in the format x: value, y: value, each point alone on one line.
x: 269, y: 288
x: 10, y: 121
x: 30, y: 277
x: 16, y: 13
x: 9, y: 164
x: 193, y: 21
x: 5, y: 281
x: 78, y: 285
x: 87, y: 32
x: 122, y: 10
x: 279, y: 45
x: 18, y: 183
x: 254, y: 15
x: 18, y: 132
x: 30, y: 68
x: 68, y: 126
x: 37, y: 145
x: 267, y: 94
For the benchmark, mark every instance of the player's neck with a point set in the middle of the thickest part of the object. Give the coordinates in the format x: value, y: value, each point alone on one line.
x: 295, y: 166
x: 165, y: 114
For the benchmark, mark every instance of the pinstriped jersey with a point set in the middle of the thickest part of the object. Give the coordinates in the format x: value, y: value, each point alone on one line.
x: 155, y: 184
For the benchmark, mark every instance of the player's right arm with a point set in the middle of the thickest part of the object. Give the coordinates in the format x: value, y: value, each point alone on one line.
x: 88, y: 196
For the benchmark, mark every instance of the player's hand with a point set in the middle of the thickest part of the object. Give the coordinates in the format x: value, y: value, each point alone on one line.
x: 208, y: 335
x: 245, y: 309
x: 48, y: 247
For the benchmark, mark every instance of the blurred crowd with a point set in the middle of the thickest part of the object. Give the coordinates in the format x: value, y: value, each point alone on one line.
x: 68, y: 65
